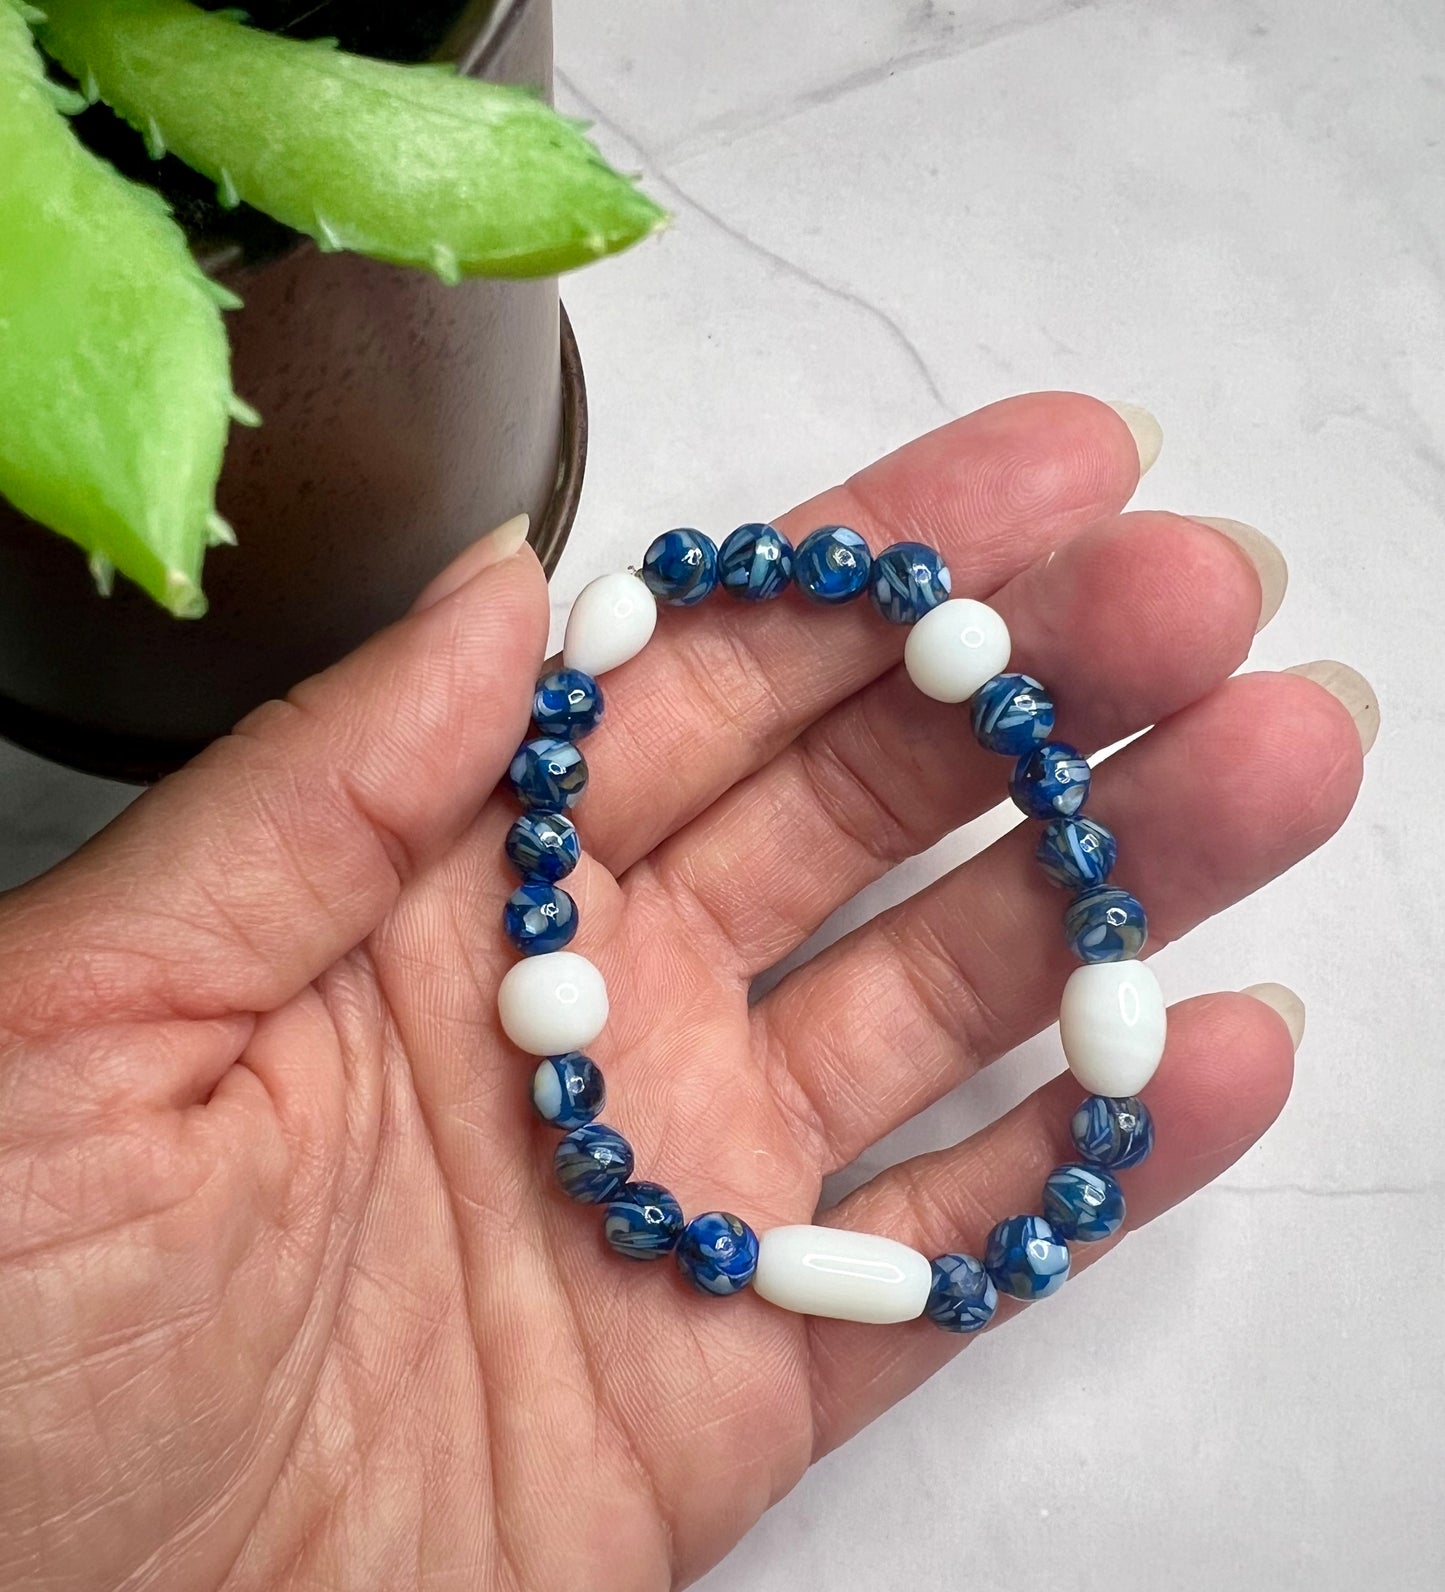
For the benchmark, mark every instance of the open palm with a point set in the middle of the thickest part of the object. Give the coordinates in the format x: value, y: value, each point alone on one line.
x: 288, y: 1296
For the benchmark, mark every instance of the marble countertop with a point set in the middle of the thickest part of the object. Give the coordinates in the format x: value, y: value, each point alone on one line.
x: 887, y: 213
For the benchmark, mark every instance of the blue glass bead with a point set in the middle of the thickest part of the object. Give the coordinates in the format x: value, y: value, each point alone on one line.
x: 567, y: 704
x: 963, y: 1297
x: 755, y: 563
x: 1077, y: 853
x: 1026, y: 1258
x: 592, y: 1163
x: 548, y: 774
x: 1106, y: 924
x: 832, y: 564
x: 1011, y: 714
x: 643, y: 1221
x: 568, y: 1091
x: 1084, y: 1203
x: 544, y: 846
x: 1117, y: 1134
x: 539, y: 917
x: 909, y: 579
x: 680, y: 567
x: 718, y: 1253
x: 1052, y: 781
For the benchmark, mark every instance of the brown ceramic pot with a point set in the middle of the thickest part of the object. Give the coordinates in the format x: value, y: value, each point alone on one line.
x: 403, y: 418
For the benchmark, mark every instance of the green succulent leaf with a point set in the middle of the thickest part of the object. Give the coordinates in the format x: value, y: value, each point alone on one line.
x: 115, y: 387
x: 406, y: 163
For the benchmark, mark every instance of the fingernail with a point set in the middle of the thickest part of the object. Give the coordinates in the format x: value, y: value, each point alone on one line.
x: 1269, y: 563
x: 1148, y: 434
x: 1352, y: 688
x: 1286, y: 1003
x: 484, y: 553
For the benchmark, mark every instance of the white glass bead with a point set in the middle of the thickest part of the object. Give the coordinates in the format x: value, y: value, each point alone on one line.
x: 611, y: 621
x: 954, y: 648
x: 1112, y: 1023
x: 552, y: 1003
x: 547, y: 1090
x: 822, y: 1271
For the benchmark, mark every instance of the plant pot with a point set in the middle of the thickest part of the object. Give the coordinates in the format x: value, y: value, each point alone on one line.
x: 403, y: 418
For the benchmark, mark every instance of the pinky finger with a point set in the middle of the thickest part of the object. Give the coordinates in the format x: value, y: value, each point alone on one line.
x: 1224, y: 1079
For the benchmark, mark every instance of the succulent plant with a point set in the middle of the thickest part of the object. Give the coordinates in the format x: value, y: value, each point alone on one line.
x: 115, y: 392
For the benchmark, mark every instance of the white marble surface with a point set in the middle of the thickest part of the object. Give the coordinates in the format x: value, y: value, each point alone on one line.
x: 888, y: 212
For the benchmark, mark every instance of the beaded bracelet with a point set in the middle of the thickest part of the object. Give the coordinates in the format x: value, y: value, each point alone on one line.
x: 553, y: 1003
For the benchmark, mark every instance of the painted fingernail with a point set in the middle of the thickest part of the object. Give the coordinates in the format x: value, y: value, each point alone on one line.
x: 484, y: 553
x: 1286, y: 1003
x: 1147, y: 432
x: 1351, y: 688
x: 1269, y: 563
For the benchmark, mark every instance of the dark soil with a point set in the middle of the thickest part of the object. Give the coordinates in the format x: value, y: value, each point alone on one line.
x: 396, y: 30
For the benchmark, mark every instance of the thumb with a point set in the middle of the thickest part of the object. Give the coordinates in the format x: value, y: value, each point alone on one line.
x: 239, y: 879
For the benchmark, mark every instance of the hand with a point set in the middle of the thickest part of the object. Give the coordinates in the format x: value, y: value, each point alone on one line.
x: 288, y: 1297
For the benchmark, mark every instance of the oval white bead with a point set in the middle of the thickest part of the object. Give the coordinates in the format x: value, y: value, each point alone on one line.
x: 1112, y: 1024
x: 611, y: 621
x: 954, y: 648
x: 822, y: 1271
x: 552, y: 1003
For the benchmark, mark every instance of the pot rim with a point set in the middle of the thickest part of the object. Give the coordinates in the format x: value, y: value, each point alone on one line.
x: 473, y: 46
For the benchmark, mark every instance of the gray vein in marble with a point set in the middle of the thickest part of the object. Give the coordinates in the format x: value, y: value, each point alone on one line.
x: 669, y: 185
x: 1415, y: 433
x: 1313, y: 1191
x: 722, y: 131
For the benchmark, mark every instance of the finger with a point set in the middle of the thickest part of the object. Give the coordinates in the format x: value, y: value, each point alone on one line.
x: 1207, y: 808
x: 235, y: 882
x: 1224, y: 1079
x: 1127, y: 623
x: 722, y: 688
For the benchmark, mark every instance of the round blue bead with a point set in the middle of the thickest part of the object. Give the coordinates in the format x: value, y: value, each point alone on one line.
x: 548, y: 774
x: 909, y: 579
x: 1083, y: 1203
x: 1117, y: 1134
x: 1026, y: 1258
x: 718, y: 1253
x: 963, y: 1297
x: 567, y: 703
x: 755, y: 563
x: 1052, y: 781
x: 544, y: 846
x: 1077, y: 853
x: 832, y: 564
x: 568, y: 1091
x: 680, y: 567
x: 539, y: 917
x: 592, y: 1163
x: 643, y: 1221
x: 1106, y: 924
x: 1011, y: 714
